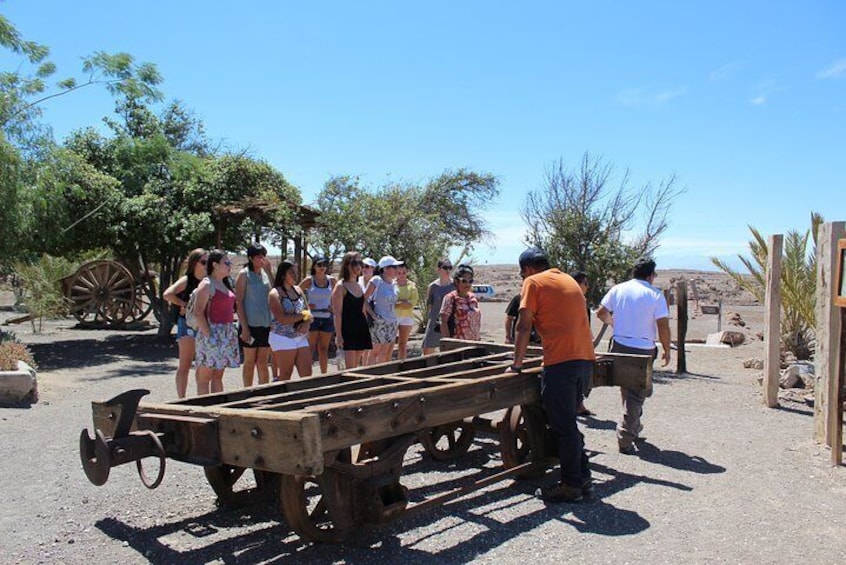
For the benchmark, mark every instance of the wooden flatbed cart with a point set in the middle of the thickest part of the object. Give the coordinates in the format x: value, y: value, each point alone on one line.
x: 331, y: 448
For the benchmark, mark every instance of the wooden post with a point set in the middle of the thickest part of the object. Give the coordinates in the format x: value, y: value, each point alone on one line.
x: 772, y: 327
x: 720, y: 315
x: 681, y: 314
x: 828, y: 325
x: 835, y: 407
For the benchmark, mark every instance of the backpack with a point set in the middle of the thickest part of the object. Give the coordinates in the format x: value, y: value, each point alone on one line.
x: 190, y: 308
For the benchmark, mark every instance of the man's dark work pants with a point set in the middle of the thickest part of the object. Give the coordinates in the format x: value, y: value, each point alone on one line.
x: 561, y: 389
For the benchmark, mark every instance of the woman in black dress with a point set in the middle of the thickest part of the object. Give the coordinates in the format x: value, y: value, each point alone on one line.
x: 351, y: 331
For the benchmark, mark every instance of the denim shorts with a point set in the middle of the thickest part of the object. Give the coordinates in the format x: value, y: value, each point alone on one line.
x: 182, y: 329
x: 326, y: 325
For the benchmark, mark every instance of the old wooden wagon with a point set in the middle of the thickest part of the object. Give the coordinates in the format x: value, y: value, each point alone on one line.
x: 331, y: 448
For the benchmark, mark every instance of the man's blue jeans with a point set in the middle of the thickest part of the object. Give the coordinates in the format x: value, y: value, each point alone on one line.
x: 561, y: 390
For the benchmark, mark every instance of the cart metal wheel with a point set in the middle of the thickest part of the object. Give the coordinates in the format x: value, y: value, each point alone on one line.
x: 225, y: 478
x: 145, y: 290
x: 521, y: 438
x: 448, y: 441
x: 307, y: 508
x: 102, y: 291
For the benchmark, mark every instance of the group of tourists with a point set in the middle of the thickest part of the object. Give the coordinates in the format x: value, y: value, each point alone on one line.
x: 284, y: 322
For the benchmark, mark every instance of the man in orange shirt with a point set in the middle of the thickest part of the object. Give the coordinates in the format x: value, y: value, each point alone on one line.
x: 553, y: 303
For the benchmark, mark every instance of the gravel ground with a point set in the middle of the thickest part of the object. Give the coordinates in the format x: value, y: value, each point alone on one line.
x: 720, y: 478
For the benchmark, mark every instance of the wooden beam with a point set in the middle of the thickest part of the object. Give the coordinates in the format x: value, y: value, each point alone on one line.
x: 828, y: 325
x: 681, y: 314
x: 282, y: 443
x: 772, y: 325
x: 835, y: 395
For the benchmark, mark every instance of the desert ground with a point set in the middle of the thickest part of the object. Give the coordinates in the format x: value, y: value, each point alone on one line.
x: 719, y: 478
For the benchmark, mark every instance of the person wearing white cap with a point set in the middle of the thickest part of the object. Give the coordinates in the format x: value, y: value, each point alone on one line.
x: 368, y: 269
x: 380, y: 303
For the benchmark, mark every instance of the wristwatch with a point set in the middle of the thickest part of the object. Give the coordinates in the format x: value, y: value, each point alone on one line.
x: 517, y: 369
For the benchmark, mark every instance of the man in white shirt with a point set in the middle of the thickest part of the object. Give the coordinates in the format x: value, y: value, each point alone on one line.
x: 635, y: 310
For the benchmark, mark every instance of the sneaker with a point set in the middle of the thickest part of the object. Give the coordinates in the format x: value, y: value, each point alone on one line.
x: 587, y: 487
x: 627, y: 449
x: 560, y: 493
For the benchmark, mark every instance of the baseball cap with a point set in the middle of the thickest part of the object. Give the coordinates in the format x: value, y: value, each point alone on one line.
x: 532, y: 255
x: 369, y: 262
x: 389, y: 261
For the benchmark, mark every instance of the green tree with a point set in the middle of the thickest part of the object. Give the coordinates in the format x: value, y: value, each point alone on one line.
x: 25, y: 142
x: 590, y: 220
x: 149, y: 201
x: 798, y: 283
x: 417, y: 222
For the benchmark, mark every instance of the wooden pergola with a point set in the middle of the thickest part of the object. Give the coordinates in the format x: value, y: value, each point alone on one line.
x: 262, y: 213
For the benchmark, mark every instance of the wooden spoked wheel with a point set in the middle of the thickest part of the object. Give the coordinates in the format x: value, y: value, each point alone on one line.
x: 448, y: 441
x: 521, y: 436
x: 224, y: 480
x: 145, y: 290
x: 102, y: 291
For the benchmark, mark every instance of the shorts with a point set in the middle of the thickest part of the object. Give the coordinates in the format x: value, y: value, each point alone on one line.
x: 407, y: 321
x: 220, y: 349
x: 182, y: 329
x: 259, y: 335
x: 432, y: 338
x: 326, y: 325
x: 383, y: 331
x: 282, y: 343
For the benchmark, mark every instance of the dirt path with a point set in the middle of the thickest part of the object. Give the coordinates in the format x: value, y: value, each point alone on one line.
x: 720, y: 479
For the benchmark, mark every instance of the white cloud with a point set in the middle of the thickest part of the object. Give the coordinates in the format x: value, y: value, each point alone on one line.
x: 725, y: 72
x: 759, y: 100
x: 834, y: 70
x: 645, y: 97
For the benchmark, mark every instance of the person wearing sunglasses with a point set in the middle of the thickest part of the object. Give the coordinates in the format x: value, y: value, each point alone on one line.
x: 252, y: 285
x: 461, y: 317
x: 217, y: 336
x: 318, y: 287
x: 435, y: 293
x: 351, y: 332
x: 178, y: 294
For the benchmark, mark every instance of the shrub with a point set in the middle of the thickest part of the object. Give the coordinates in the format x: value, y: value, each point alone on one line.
x: 11, y: 352
x: 798, y: 283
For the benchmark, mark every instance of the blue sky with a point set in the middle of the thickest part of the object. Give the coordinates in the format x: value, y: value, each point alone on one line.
x: 745, y: 100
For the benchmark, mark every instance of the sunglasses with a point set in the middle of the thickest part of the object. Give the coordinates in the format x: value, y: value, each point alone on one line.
x: 324, y: 265
x: 355, y: 263
x: 447, y: 267
x: 227, y: 262
x: 466, y: 281
x: 366, y: 266
x: 203, y: 261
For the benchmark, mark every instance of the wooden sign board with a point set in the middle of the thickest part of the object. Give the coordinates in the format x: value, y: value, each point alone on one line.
x: 840, y: 278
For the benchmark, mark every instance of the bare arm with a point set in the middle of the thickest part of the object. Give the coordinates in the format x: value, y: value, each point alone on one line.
x: 522, y: 335
x: 240, y: 292
x: 170, y: 294
x: 338, y: 309
x: 664, y: 337
x: 605, y: 316
x: 509, y: 321
x: 446, y: 308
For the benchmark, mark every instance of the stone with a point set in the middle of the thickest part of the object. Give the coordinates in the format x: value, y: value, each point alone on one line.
x: 789, y: 379
x: 729, y: 337
x: 754, y: 363
x: 798, y: 375
x: 17, y: 387
x: 734, y: 319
